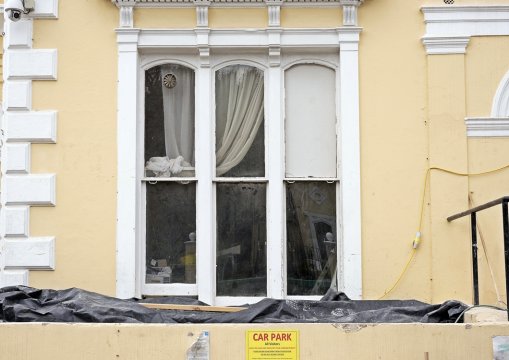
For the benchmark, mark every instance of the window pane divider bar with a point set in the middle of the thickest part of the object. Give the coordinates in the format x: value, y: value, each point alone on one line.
x: 292, y: 180
x: 175, y: 179
x: 240, y: 180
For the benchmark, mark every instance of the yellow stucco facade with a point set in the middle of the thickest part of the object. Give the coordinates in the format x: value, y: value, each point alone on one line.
x: 412, y: 116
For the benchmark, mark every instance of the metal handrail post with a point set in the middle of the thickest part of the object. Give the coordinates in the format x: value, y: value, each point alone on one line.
x: 505, y: 221
x: 475, y: 271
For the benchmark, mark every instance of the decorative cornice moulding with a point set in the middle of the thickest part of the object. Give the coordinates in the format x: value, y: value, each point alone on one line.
x: 487, y: 127
x: 233, y: 3
x: 445, y: 45
x: 448, y: 28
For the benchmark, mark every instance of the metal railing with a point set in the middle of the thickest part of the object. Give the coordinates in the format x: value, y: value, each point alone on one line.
x: 473, y: 224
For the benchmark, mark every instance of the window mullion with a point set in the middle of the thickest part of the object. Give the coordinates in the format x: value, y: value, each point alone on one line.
x: 275, y: 193
x: 205, y: 203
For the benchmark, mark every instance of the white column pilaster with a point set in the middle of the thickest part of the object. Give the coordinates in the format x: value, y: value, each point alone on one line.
x: 350, y: 169
x: 205, y: 153
x: 128, y: 184
x: 276, y: 269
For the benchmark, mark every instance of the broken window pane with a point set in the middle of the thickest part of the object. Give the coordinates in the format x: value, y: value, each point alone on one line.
x: 169, y: 121
x: 241, y: 239
x: 311, y: 237
x: 240, y: 150
x: 171, y: 233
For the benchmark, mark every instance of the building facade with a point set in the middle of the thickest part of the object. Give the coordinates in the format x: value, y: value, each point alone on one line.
x: 247, y: 149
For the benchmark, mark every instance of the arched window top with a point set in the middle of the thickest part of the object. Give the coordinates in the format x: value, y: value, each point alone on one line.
x: 500, y: 107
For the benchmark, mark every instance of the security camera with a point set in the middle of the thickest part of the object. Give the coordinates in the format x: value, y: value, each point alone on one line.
x: 16, y: 8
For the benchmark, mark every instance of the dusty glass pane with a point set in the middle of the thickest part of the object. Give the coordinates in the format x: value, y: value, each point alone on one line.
x: 171, y: 233
x: 169, y: 121
x: 240, y: 150
x: 311, y: 237
x: 241, y: 240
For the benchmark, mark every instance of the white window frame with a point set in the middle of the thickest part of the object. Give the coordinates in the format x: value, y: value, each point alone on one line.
x: 130, y: 222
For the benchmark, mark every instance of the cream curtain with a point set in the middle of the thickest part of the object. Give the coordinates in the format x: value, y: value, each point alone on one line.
x: 178, y: 103
x: 239, y: 113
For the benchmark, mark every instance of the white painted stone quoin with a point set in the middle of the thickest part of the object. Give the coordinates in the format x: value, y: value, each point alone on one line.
x: 20, y: 127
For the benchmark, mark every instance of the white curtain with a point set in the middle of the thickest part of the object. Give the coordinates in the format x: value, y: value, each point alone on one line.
x: 239, y: 113
x: 178, y: 103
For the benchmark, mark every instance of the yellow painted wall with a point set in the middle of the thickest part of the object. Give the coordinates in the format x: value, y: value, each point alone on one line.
x: 394, y: 147
x: 84, y: 157
x: 227, y: 341
x: 311, y: 17
x: 483, y: 77
x: 179, y: 18
x: 412, y: 114
x: 238, y: 18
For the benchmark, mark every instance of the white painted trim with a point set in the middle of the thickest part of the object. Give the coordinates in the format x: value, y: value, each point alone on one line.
x: 31, y: 253
x: 205, y: 194
x: 240, y: 38
x: 449, y: 28
x: 40, y: 64
x: 274, y: 138
x: 170, y: 289
x: 32, y: 189
x: 18, y: 95
x: 16, y: 158
x: 445, y: 45
x: 232, y: 3
x: 34, y: 127
x: 500, y: 106
x: 237, y: 300
x: 18, y: 35
x: 344, y: 40
x: 350, y: 164
x: 127, y: 178
x: 21, y: 64
x: 13, y: 278
x: 17, y: 220
x: 475, y: 20
x: 487, y: 127
x: 45, y: 9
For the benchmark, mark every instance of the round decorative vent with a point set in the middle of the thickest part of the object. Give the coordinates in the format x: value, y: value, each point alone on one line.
x: 450, y: 2
x: 170, y: 81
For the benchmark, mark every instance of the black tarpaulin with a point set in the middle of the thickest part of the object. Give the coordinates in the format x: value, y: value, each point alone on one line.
x: 25, y: 304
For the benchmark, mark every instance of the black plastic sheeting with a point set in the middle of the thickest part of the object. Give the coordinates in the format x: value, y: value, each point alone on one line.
x: 25, y: 304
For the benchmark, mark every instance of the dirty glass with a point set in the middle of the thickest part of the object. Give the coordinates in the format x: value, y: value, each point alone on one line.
x: 311, y: 237
x: 241, y: 239
x: 170, y: 233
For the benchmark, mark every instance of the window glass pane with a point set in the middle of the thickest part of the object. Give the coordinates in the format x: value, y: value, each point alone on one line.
x: 310, y: 126
x: 169, y: 121
x: 241, y: 240
x: 171, y: 233
x: 311, y: 237
x: 240, y: 148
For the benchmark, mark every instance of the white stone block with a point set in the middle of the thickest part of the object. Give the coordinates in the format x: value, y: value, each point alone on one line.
x: 13, y: 278
x: 16, y: 221
x: 30, y: 189
x: 35, y: 127
x: 18, y: 35
x: 31, y: 64
x: 17, y: 158
x: 46, y: 9
x: 18, y: 95
x: 31, y: 253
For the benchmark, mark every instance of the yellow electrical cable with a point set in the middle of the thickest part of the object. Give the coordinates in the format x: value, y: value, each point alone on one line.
x: 421, y: 215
